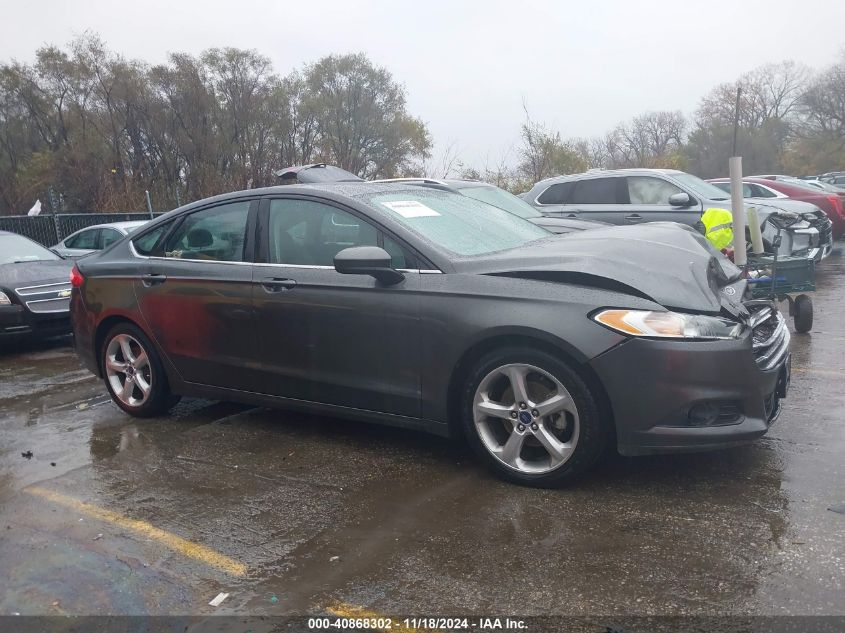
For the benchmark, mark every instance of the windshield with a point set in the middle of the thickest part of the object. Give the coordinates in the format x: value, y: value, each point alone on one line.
x: 461, y: 225
x: 15, y: 249
x: 806, y: 186
x: 502, y: 199
x: 700, y: 187
x: 818, y: 184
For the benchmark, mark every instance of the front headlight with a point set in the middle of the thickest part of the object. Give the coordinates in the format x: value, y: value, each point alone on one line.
x: 4, y: 299
x: 668, y: 324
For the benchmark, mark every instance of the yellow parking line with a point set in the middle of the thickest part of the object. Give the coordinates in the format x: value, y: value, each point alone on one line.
x: 176, y: 543
x: 823, y: 372
x: 343, y: 610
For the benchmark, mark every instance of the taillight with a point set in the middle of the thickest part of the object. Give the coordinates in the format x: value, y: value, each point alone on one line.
x: 76, y: 278
x: 836, y: 201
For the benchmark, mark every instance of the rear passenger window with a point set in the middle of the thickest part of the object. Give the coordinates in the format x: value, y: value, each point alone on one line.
x: 595, y: 191
x: 215, y: 234
x: 84, y: 240
x: 756, y: 191
x: 556, y: 194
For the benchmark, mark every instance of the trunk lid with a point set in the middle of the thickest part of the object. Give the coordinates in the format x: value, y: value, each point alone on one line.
x: 30, y: 273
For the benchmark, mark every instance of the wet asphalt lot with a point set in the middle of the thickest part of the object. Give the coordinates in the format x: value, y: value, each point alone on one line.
x: 292, y: 514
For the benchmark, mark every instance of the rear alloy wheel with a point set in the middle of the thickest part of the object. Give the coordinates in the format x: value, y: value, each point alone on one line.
x: 133, y: 373
x: 532, y: 418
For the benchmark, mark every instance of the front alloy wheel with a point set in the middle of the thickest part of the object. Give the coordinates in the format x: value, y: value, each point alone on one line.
x: 532, y: 417
x: 526, y: 418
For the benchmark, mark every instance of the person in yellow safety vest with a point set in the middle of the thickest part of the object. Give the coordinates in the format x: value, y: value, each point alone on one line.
x: 718, y: 225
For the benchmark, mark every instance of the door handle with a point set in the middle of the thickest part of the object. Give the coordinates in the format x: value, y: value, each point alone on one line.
x: 633, y: 217
x: 152, y: 279
x: 277, y: 284
x: 572, y: 215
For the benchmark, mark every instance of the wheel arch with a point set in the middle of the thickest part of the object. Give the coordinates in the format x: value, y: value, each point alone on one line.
x: 535, y: 340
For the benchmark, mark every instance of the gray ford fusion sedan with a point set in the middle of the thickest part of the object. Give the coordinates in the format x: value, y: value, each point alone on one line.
x: 423, y: 308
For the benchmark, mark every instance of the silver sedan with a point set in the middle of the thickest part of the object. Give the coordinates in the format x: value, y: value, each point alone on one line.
x: 95, y: 238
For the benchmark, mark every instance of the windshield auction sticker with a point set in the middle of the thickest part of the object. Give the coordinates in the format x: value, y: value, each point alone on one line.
x: 410, y: 208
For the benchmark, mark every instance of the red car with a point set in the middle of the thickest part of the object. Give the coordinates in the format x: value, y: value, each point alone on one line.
x: 831, y: 203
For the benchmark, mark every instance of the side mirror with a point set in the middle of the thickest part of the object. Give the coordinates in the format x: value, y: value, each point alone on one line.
x: 681, y: 199
x: 367, y: 260
x: 56, y: 252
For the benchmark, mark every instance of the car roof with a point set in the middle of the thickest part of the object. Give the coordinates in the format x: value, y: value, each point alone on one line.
x: 455, y: 183
x: 327, y: 189
x: 128, y: 224
x: 755, y: 179
x: 628, y: 171
x: 124, y: 224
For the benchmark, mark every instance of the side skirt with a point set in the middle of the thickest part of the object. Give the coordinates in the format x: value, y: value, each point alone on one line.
x: 278, y: 402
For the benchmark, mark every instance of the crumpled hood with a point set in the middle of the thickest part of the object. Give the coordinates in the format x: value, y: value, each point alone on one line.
x: 32, y: 273
x: 766, y: 206
x: 567, y: 225
x: 669, y: 263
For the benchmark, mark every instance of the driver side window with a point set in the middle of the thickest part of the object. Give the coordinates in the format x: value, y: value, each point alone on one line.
x: 648, y: 190
x: 308, y: 233
x: 110, y: 236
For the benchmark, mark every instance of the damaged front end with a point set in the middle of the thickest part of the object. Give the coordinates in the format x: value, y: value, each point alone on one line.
x: 704, y: 367
x: 770, y: 336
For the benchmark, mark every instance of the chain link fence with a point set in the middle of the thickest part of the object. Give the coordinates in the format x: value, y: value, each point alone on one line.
x: 51, y: 229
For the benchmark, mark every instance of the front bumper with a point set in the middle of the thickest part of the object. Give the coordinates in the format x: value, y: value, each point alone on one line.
x: 818, y: 242
x: 655, y: 386
x: 818, y: 254
x: 16, y: 321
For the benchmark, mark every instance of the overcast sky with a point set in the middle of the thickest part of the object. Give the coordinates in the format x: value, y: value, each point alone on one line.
x: 468, y: 66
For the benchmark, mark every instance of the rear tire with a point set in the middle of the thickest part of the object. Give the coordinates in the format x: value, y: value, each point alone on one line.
x: 532, y: 418
x: 803, y: 314
x: 133, y: 372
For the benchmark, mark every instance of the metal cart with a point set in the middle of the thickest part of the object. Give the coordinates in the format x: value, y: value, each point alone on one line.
x: 773, y: 277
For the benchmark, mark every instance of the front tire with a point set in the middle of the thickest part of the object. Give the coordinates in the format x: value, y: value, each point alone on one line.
x: 531, y: 418
x: 133, y: 372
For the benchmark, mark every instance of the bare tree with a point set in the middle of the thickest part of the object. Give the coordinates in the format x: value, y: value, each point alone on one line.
x: 543, y: 153
x: 653, y: 139
x: 768, y: 118
x: 823, y: 104
x: 97, y: 129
